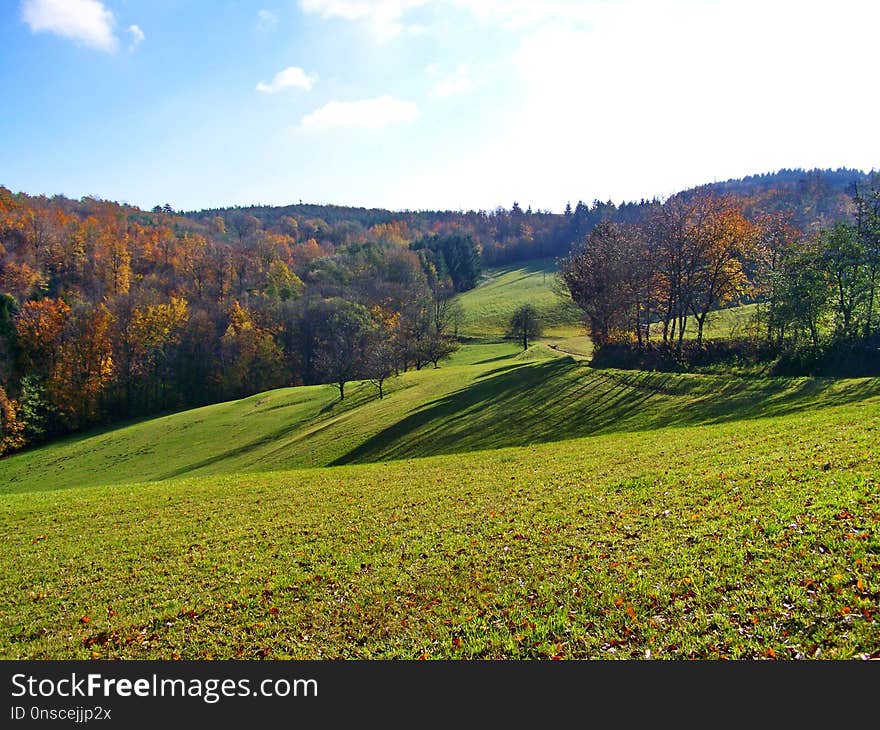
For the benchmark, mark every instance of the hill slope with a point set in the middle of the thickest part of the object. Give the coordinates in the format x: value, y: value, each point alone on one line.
x: 488, y: 307
x: 488, y: 397
x: 751, y: 538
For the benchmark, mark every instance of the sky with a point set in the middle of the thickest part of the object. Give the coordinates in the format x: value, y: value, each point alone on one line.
x: 428, y: 104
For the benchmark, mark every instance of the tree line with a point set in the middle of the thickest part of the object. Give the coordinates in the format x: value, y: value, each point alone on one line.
x: 108, y: 312
x: 816, y: 287
x: 520, y: 233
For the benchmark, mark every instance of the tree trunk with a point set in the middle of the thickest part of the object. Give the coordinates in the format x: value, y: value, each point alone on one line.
x: 869, y: 315
x: 701, y: 320
x: 341, y: 390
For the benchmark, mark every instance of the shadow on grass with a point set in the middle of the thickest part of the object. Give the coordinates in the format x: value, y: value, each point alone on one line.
x: 495, y: 359
x: 561, y: 399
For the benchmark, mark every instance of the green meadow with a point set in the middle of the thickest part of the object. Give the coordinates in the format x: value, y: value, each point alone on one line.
x: 488, y: 307
x: 506, y: 505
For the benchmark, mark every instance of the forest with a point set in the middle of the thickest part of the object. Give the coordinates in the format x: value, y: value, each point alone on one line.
x: 109, y: 312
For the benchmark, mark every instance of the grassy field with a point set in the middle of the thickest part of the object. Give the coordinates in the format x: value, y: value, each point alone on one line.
x: 490, y: 397
x: 507, y: 505
x: 747, y: 538
x: 488, y: 307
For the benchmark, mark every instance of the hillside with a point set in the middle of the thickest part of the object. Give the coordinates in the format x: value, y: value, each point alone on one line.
x: 813, y: 195
x: 488, y: 307
x: 109, y: 312
x: 489, y: 397
x: 746, y: 538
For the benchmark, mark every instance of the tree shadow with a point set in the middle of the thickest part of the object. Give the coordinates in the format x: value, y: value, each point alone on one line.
x: 562, y: 399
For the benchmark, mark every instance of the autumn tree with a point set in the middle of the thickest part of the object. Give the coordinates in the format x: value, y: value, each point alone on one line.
x: 608, y: 278
x: 438, y: 346
x: 252, y: 360
x: 380, y: 354
x: 342, y: 342
x: 39, y: 326
x: 720, y: 242
x: 11, y: 425
x: 281, y: 283
x: 84, y: 366
x: 776, y: 238
x: 20, y: 280
x: 145, y: 337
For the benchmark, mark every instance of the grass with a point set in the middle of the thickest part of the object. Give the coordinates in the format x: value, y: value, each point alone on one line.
x: 509, y: 505
x: 749, y: 538
x: 490, y: 396
x: 281, y: 429
x: 734, y: 321
x: 488, y: 307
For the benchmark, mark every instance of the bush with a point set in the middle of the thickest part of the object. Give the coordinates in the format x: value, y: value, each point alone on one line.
x: 839, y: 358
x: 668, y: 358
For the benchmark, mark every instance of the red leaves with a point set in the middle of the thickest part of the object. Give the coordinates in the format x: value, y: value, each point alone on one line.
x: 85, y: 620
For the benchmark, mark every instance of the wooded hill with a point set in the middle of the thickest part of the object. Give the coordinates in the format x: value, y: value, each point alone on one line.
x: 809, y: 197
x: 109, y: 312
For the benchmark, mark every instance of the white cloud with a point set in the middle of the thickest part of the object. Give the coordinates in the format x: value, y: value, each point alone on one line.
x: 137, y: 36
x: 85, y: 21
x: 649, y: 99
x: 365, y: 114
x: 385, y: 17
x: 388, y: 18
x: 266, y: 20
x: 453, y: 84
x: 292, y: 77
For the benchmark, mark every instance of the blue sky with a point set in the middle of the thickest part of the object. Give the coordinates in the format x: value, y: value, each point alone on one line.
x: 427, y: 103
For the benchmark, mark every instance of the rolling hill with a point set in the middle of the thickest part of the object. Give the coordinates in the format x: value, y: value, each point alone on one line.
x: 746, y: 537
x: 506, y: 505
x: 488, y: 397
